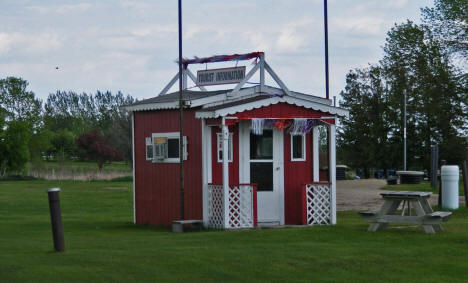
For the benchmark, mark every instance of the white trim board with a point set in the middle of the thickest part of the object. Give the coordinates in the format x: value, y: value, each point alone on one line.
x: 271, y: 101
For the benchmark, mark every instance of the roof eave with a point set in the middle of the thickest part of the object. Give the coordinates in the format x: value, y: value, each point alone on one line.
x: 222, y: 112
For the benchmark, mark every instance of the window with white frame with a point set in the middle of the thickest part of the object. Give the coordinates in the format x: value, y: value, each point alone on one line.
x: 220, y: 147
x: 165, y: 147
x: 149, y: 148
x: 298, y: 148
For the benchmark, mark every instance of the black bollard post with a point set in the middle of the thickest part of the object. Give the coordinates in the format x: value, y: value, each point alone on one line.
x: 465, y: 178
x: 434, y: 163
x: 442, y: 163
x: 56, y: 219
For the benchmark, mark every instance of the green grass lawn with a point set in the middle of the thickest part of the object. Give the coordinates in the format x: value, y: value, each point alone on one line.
x: 103, y: 246
x: 424, y: 186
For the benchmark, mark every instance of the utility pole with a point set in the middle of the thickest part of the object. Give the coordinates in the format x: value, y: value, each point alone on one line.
x: 404, y: 130
x: 325, y: 18
x: 181, y: 116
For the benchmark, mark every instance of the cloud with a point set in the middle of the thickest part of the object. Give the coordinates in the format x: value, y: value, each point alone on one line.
x: 359, y: 25
x: 6, y: 41
x: 29, y: 43
x: 396, y: 3
x: 62, y: 9
x: 294, y: 35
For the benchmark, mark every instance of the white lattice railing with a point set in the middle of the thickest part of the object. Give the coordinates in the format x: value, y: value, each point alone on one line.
x: 316, y: 204
x: 242, y: 207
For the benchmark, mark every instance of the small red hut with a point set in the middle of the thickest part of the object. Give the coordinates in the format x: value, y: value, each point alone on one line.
x: 251, y: 155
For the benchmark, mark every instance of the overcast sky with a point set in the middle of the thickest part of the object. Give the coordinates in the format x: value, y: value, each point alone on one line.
x: 131, y: 46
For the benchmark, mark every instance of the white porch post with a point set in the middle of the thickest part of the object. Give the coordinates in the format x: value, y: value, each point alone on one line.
x: 225, y: 137
x: 332, y: 170
x: 315, y: 154
x: 206, y: 165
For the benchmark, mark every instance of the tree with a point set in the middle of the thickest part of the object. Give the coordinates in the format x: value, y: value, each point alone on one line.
x: 448, y: 20
x: 14, y: 150
x: 96, y: 147
x: 20, y: 117
x: 79, y: 113
x: 414, y: 62
x: 63, y: 144
x: 18, y: 103
x: 363, y: 138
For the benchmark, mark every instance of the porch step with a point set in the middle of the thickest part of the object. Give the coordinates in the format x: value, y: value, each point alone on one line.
x: 179, y: 225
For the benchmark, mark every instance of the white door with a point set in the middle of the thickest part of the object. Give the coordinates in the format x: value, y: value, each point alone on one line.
x: 262, y: 164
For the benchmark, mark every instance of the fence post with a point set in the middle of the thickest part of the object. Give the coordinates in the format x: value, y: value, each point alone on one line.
x: 56, y: 219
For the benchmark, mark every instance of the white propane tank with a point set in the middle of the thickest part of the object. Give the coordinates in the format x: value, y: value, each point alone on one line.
x: 450, y: 175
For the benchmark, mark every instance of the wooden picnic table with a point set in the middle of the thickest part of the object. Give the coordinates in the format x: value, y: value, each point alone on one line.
x: 415, y: 210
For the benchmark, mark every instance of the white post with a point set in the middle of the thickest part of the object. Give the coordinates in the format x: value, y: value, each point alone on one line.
x: 316, y: 153
x: 225, y: 137
x: 262, y: 72
x: 206, y: 149
x: 184, y: 78
x: 332, y: 168
x: 133, y: 159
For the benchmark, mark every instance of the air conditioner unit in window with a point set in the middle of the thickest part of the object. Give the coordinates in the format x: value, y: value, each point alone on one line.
x: 160, y: 148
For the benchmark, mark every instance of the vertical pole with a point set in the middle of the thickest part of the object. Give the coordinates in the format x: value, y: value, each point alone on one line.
x: 434, y: 163
x: 327, y: 80
x: 332, y: 168
x: 404, y: 130
x: 133, y: 161
x: 225, y: 138
x: 184, y: 78
x: 262, y: 72
x: 325, y: 18
x: 465, y: 178
x: 442, y: 163
x: 181, y: 116
x: 316, y: 153
x: 56, y: 219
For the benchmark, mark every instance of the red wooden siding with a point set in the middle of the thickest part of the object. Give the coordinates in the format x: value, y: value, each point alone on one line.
x: 282, y: 110
x: 296, y: 174
x: 157, y: 184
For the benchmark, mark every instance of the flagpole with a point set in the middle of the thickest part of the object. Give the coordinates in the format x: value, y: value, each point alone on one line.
x: 325, y: 13
x: 181, y: 115
x: 327, y: 84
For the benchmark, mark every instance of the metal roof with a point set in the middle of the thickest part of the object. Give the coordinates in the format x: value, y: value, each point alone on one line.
x: 223, y: 102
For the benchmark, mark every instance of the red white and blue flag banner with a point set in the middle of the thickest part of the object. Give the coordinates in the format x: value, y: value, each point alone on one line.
x: 222, y: 58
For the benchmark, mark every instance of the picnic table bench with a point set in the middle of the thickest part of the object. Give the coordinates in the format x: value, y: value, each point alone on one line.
x: 422, y: 212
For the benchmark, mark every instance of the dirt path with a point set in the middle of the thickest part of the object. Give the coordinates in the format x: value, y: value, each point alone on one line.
x: 363, y: 194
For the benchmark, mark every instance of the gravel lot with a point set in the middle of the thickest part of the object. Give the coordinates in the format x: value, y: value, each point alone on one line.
x: 363, y: 195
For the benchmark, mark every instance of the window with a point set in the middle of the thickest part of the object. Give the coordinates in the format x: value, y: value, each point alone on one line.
x: 261, y: 147
x: 166, y: 148
x: 220, y: 147
x: 149, y: 148
x: 298, y: 148
x: 261, y: 160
